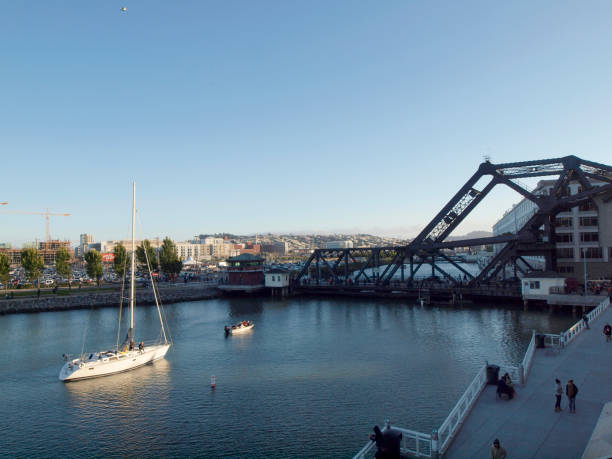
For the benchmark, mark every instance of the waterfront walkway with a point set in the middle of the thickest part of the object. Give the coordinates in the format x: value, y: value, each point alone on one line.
x: 528, y: 426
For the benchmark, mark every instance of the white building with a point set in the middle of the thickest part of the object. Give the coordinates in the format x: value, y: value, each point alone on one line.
x: 109, y: 246
x: 197, y: 252
x: 538, y: 286
x: 277, y: 281
x: 277, y: 278
x: 218, y: 248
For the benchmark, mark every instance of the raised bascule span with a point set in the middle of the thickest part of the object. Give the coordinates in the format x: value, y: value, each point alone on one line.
x: 378, y: 266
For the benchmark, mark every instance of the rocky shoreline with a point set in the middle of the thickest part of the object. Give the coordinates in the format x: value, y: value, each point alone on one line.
x: 104, y: 299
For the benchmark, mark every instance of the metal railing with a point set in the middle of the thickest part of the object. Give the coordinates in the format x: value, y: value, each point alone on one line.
x: 366, y: 451
x: 451, y: 424
x: 529, y: 353
x: 551, y: 340
x: 190, y: 284
x: 570, y: 335
x: 414, y: 443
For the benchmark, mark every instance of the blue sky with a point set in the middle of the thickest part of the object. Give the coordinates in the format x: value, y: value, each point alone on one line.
x: 287, y: 116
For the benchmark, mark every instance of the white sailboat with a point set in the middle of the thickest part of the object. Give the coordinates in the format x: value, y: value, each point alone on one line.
x: 127, y: 356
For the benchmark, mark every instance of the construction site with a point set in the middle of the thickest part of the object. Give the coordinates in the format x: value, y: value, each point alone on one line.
x: 47, y: 248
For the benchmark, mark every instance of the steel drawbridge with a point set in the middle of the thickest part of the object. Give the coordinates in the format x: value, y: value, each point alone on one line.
x: 382, y: 266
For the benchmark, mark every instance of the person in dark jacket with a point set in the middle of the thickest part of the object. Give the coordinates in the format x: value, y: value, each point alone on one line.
x: 377, y: 437
x: 509, y: 385
x: 497, y: 451
x: 607, y: 331
x: 558, y: 395
x: 571, y: 390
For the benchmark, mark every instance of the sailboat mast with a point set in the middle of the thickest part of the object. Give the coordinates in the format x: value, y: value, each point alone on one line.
x: 133, y: 256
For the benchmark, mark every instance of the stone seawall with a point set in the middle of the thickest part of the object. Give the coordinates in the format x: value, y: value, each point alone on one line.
x: 104, y: 299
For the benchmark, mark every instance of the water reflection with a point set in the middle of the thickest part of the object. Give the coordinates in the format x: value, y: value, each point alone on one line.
x: 243, y: 308
x: 122, y: 388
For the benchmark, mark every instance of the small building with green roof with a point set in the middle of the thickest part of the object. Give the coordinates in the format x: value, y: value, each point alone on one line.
x: 245, y: 274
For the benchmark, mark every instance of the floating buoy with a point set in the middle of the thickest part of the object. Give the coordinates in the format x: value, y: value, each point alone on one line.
x: 213, y: 382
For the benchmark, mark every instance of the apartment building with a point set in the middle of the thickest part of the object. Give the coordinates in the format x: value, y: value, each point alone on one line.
x: 197, y: 252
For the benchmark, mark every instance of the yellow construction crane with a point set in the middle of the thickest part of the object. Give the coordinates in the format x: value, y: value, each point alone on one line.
x: 46, y: 215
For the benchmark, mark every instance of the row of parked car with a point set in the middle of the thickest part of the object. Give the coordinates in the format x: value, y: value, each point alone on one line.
x: 48, y: 278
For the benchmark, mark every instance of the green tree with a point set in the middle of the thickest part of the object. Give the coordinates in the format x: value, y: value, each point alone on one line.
x: 150, y: 254
x: 94, y: 265
x: 62, y: 264
x: 5, y: 270
x: 32, y: 263
x: 168, y: 259
x: 120, y: 261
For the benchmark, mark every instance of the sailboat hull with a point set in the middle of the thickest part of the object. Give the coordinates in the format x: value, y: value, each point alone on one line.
x: 100, y: 364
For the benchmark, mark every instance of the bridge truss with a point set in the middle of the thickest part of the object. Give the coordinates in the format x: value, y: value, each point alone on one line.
x: 382, y: 265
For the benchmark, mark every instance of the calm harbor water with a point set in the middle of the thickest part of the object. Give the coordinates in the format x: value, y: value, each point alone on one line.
x: 310, y: 380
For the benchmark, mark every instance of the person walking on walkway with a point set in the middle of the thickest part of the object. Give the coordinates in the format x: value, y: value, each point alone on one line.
x: 571, y: 390
x: 585, y: 319
x: 558, y: 395
x: 497, y: 451
x: 607, y: 331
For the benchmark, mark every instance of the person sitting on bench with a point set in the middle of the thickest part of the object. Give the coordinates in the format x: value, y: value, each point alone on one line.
x: 509, y: 385
x: 502, y: 388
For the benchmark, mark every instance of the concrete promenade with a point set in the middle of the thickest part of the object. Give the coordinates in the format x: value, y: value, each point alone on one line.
x: 528, y: 426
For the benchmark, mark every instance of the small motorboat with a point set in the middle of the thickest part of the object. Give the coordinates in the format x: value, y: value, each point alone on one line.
x: 240, y: 327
